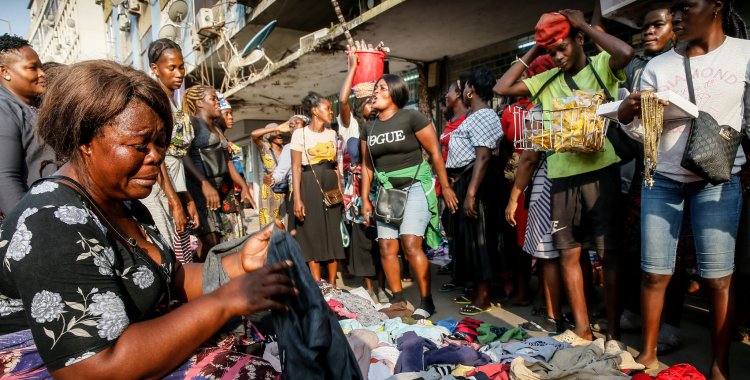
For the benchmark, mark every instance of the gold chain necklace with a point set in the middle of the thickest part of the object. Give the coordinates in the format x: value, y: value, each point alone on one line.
x: 652, y: 116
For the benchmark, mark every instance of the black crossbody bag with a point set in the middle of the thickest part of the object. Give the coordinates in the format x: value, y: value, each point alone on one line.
x: 711, y: 148
x: 391, y: 203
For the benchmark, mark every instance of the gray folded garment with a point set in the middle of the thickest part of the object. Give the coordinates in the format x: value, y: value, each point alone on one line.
x: 214, y: 275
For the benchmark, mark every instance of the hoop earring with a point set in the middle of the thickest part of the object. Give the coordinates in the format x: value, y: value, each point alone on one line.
x: 469, y: 95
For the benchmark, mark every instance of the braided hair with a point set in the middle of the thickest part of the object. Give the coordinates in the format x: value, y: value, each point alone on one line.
x: 10, y: 43
x: 193, y: 95
x: 732, y: 22
x: 158, y: 47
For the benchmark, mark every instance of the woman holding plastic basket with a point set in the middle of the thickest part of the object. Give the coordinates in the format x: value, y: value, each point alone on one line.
x: 585, y: 186
x: 708, y: 29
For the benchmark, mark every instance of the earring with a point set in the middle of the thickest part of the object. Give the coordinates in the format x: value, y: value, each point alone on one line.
x: 7, y: 77
x: 716, y: 11
x: 470, y: 95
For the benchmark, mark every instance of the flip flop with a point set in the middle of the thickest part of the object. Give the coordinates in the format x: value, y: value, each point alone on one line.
x: 473, y: 310
x: 545, y: 324
x: 462, y: 300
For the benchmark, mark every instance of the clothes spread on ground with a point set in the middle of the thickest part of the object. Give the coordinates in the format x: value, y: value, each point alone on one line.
x: 584, y: 362
x: 357, y: 307
x: 531, y: 350
x: 312, y: 345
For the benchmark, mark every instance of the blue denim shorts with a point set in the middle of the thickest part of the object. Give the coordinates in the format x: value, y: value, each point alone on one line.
x: 416, y: 216
x: 715, y: 215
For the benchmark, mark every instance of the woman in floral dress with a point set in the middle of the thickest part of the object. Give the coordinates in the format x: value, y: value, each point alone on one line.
x: 270, y: 141
x: 86, y: 280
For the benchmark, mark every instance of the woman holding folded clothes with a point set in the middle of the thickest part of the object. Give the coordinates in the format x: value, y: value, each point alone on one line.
x: 714, y: 39
x: 391, y: 153
x: 475, y: 178
x: 315, y: 173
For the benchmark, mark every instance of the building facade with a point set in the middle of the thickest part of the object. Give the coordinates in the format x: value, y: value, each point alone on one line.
x: 68, y: 31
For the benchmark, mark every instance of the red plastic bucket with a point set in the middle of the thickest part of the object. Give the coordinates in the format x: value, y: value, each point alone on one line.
x: 369, y: 66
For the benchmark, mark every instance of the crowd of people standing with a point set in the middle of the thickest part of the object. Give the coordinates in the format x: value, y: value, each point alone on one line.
x: 74, y: 182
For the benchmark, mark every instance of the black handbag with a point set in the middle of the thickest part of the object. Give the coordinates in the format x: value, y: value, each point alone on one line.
x: 711, y: 148
x: 391, y: 203
x: 215, y: 157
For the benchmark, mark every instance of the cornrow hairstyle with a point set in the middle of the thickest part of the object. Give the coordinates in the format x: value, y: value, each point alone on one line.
x: 192, y: 96
x: 90, y: 95
x: 732, y: 22
x: 158, y: 47
x: 10, y: 43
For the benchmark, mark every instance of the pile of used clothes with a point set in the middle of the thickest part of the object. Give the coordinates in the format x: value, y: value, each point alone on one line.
x: 389, y: 346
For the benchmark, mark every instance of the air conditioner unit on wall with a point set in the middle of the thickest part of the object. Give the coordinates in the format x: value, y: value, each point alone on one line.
x: 204, y: 21
x: 123, y: 22
x: 134, y: 7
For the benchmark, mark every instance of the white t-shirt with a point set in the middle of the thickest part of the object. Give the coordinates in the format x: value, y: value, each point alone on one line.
x: 348, y: 133
x: 315, y: 147
x: 721, y: 80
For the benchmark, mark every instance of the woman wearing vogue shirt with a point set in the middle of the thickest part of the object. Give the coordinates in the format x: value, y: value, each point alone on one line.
x: 704, y: 26
x: 314, y: 171
x: 393, y: 141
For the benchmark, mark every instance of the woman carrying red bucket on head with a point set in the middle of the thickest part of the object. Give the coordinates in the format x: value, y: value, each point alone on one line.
x: 370, y: 65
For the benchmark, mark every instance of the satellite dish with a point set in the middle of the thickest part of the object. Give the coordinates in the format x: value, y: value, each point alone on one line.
x: 251, y: 54
x: 257, y: 40
x: 169, y: 32
x: 116, y: 3
x: 177, y: 11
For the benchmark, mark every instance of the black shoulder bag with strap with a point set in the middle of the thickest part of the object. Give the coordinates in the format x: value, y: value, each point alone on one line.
x: 331, y: 198
x: 391, y: 203
x: 214, y: 157
x: 626, y: 148
x: 711, y: 148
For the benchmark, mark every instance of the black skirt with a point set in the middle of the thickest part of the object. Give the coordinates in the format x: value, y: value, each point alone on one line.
x: 364, y: 251
x: 475, y: 243
x: 319, y: 235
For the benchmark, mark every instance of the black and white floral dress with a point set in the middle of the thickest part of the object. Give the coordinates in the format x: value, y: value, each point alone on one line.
x: 80, y: 286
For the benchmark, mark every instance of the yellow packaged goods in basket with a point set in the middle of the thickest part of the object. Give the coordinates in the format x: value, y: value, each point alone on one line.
x: 571, y: 126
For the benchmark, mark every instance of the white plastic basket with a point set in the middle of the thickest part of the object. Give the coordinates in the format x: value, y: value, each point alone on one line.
x: 576, y: 129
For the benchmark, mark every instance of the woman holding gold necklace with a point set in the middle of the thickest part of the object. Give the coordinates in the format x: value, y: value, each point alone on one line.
x: 708, y: 28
